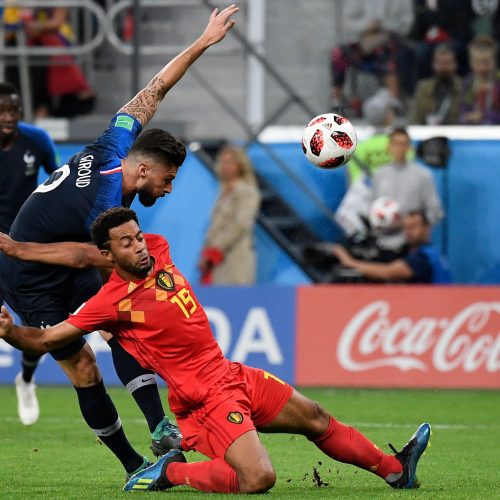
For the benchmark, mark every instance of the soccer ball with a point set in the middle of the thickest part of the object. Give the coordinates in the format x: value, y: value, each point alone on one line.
x: 329, y: 140
x: 384, y: 214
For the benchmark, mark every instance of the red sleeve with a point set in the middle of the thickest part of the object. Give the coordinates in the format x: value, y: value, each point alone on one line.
x: 158, y: 246
x: 95, y: 314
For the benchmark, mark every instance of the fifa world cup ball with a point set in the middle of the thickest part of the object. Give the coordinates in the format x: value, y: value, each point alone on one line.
x: 329, y: 140
x: 385, y: 214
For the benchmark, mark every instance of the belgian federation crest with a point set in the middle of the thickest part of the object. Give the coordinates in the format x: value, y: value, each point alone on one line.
x: 235, y: 417
x: 165, y: 280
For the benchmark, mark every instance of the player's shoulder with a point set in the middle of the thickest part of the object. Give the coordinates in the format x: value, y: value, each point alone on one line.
x: 36, y: 134
x: 156, y: 241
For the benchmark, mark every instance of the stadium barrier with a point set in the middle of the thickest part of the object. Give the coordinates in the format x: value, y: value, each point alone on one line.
x: 342, y: 336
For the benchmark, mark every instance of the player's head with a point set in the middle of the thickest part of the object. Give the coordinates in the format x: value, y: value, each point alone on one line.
x: 155, y: 158
x: 416, y: 228
x: 233, y: 163
x: 10, y: 109
x: 399, y: 144
x: 117, y: 234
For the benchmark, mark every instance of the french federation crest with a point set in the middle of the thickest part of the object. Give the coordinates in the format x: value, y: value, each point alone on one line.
x: 165, y: 280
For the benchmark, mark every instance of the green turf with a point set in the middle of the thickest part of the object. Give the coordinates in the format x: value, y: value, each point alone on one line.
x: 60, y: 458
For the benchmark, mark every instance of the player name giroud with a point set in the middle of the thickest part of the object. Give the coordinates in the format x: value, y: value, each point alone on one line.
x: 463, y: 341
x: 84, y: 171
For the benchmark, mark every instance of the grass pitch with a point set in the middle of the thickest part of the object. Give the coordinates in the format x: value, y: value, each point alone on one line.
x: 59, y: 457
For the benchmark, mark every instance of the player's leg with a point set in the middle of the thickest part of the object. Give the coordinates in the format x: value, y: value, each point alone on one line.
x: 28, y: 408
x: 224, y: 432
x: 346, y: 444
x: 78, y: 362
x: 245, y: 468
x: 141, y: 383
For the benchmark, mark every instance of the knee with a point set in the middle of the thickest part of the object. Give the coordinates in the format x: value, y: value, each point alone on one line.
x: 258, y: 481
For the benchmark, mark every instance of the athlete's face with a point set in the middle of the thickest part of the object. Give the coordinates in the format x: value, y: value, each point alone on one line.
x: 155, y: 181
x: 10, y: 114
x: 128, y: 251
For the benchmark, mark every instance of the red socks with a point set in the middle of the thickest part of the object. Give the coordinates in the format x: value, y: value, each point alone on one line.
x: 346, y: 444
x: 213, y: 476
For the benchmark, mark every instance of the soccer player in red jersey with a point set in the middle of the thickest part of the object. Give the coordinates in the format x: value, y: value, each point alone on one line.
x: 220, y: 405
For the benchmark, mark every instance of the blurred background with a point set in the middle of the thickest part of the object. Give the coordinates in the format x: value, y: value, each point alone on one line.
x: 429, y: 67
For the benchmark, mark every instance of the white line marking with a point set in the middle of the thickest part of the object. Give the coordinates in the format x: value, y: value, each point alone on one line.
x: 366, y: 425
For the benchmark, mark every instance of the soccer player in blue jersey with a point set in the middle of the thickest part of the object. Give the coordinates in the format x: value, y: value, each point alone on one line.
x: 23, y: 150
x: 110, y: 172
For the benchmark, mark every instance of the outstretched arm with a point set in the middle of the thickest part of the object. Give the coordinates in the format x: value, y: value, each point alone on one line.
x: 36, y: 340
x: 69, y: 254
x: 397, y: 270
x: 144, y: 105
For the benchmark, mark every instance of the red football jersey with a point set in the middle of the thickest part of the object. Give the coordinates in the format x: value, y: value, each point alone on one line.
x: 160, y: 322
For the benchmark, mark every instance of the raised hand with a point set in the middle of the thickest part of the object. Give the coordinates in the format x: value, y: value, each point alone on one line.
x: 219, y: 24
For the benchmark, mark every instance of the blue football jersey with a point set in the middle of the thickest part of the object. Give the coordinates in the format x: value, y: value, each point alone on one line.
x: 19, y: 167
x: 65, y: 205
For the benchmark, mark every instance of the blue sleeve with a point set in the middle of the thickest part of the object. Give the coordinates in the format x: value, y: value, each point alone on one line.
x: 421, y: 267
x: 118, y: 138
x: 45, y: 143
x: 109, y: 195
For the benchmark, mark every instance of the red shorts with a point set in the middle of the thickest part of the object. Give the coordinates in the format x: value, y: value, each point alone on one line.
x: 246, y: 399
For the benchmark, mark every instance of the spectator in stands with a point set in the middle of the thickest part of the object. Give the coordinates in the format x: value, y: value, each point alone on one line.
x: 228, y: 256
x: 420, y: 264
x: 437, y: 99
x: 437, y: 22
x: 60, y: 89
x: 373, y: 48
x: 394, y: 17
x: 480, y: 99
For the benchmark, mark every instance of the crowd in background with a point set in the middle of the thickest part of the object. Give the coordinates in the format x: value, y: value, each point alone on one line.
x: 432, y: 61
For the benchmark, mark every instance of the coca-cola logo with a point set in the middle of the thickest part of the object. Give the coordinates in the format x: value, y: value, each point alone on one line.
x: 469, y: 340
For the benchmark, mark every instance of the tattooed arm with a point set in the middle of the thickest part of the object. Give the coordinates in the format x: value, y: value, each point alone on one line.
x: 144, y: 105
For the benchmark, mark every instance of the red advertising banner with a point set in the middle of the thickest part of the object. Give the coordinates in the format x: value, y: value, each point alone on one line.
x: 398, y: 336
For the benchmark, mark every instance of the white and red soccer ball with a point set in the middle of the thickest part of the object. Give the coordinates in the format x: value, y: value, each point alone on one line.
x: 329, y: 140
x: 385, y: 214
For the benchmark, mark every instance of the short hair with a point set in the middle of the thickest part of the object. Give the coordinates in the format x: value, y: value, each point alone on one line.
x: 443, y: 49
x: 483, y: 42
x: 161, y: 146
x: 107, y: 220
x: 399, y: 131
x: 7, y: 89
x: 421, y: 214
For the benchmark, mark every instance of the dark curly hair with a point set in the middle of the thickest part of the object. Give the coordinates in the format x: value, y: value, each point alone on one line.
x: 109, y: 219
